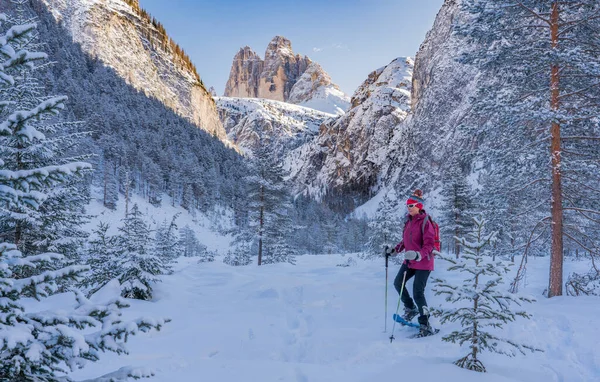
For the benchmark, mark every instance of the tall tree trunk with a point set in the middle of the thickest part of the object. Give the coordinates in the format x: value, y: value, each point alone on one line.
x: 126, y: 193
x: 260, y: 229
x: 105, y: 183
x: 556, y: 257
x: 456, y: 234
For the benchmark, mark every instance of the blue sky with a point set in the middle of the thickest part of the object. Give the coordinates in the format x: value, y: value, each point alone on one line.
x: 348, y: 38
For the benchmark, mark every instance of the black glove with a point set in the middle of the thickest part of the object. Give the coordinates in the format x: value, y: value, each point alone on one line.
x: 389, y: 251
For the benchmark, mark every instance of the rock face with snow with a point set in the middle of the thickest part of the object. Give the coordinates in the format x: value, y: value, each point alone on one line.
x: 284, y: 127
x: 441, y: 93
x: 122, y: 36
x: 284, y: 76
x: 349, y: 152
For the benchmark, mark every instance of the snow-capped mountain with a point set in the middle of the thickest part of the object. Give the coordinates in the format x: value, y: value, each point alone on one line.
x: 285, y: 126
x: 349, y: 152
x: 284, y: 76
x: 315, y: 89
x: 125, y: 38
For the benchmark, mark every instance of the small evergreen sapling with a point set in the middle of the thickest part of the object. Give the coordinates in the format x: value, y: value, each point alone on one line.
x: 487, y: 305
x: 140, y: 267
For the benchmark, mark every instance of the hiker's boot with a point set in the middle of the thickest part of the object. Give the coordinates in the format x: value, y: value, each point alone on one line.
x: 425, y: 328
x: 410, y: 313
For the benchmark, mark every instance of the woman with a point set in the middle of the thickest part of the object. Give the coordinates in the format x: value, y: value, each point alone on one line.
x: 418, y: 244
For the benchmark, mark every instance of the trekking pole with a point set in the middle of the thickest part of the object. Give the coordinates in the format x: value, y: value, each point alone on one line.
x: 398, y: 307
x: 386, y: 287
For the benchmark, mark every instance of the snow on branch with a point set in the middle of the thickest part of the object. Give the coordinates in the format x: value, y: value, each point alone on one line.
x: 16, y: 123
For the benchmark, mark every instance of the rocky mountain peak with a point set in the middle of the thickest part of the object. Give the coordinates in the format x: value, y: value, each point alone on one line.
x: 245, y: 73
x: 279, y: 46
x: 281, y: 71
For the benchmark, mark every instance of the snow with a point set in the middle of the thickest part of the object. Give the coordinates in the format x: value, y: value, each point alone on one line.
x: 317, y: 321
x: 329, y: 100
x: 203, y: 226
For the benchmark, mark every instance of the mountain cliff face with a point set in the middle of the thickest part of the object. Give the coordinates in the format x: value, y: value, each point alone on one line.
x: 284, y: 76
x: 245, y: 74
x: 430, y: 138
x: 284, y: 127
x: 349, y: 152
x: 117, y: 33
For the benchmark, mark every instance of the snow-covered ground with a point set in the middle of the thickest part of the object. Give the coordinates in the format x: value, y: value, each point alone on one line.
x: 316, y: 321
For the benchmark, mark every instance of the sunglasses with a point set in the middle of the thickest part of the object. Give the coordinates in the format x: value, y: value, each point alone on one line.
x: 411, y: 205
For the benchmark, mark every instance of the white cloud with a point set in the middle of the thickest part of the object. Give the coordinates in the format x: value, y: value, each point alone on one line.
x: 335, y: 46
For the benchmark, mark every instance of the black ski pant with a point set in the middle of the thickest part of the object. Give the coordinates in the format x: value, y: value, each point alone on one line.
x: 419, y: 285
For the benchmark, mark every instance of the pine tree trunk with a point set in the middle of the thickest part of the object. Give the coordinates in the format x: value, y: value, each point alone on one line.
x: 105, y: 184
x: 456, y: 243
x: 556, y: 257
x: 261, y: 222
x: 126, y: 193
x: 475, y: 339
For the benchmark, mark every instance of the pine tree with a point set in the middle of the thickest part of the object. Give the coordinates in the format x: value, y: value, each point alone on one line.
x: 56, y: 225
x: 103, y: 257
x: 140, y: 266
x: 386, y: 228
x: 239, y: 254
x: 189, y: 243
x: 42, y: 345
x: 457, y: 204
x: 269, y: 205
x: 488, y: 305
x: 536, y: 117
x: 278, y: 246
x: 166, y: 241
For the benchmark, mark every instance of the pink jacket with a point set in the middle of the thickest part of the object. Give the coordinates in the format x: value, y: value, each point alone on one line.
x: 414, y: 240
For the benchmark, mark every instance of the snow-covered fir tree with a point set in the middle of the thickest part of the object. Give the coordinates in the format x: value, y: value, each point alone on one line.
x: 42, y: 345
x: 386, y: 227
x: 458, y: 203
x: 240, y: 253
x: 354, y: 234
x: 535, y: 119
x: 103, y: 256
x: 189, y: 243
x: 139, y: 266
x: 480, y: 303
x: 278, y: 246
x: 166, y: 242
x: 56, y: 225
x: 269, y: 208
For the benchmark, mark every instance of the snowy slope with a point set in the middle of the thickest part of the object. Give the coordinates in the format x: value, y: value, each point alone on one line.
x: 206, y: 228
x: 287, y: 126
x: 319, y: 322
